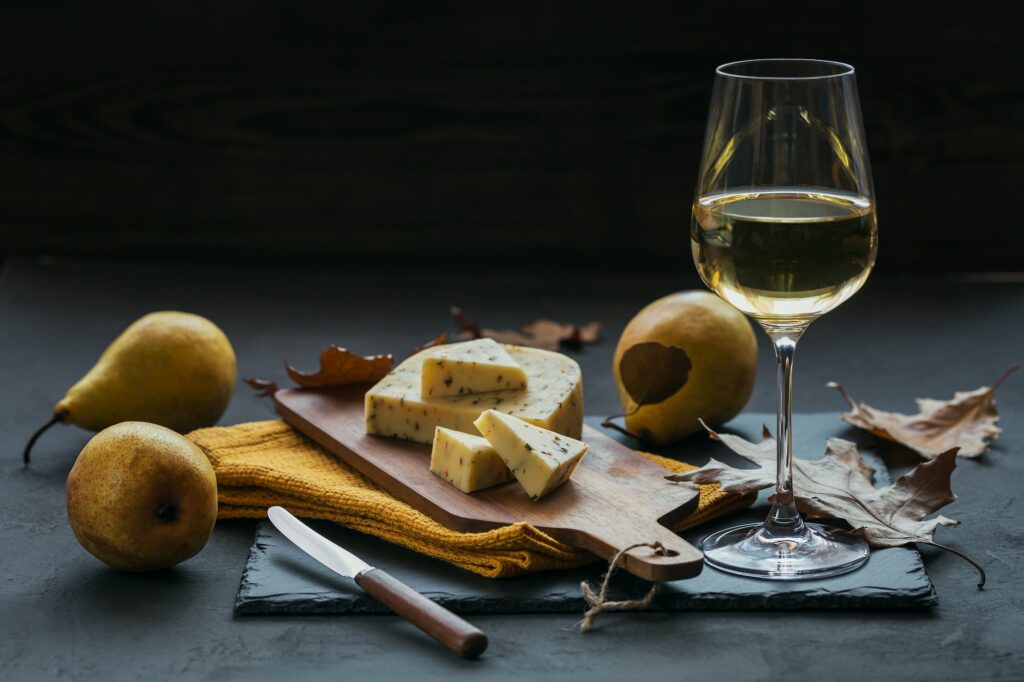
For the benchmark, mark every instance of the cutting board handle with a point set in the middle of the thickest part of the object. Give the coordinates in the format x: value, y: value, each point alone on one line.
x: 677, y: 561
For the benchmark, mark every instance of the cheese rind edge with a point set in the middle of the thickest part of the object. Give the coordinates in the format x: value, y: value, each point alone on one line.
x: 553, y: 399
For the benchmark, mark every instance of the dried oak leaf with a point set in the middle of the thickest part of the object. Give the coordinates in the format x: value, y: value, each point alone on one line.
x: 467, y: 325
x: 839, y: 486
x: 439, y: 341
x: 264, y: 387
x: 339, y: 366
x: 966, y: 422
x: 542, y: 333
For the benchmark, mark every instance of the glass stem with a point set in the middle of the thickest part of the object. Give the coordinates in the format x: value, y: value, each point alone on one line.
x: 784, y: 519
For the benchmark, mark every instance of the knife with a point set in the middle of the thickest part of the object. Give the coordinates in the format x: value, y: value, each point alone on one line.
x: 435, y: 620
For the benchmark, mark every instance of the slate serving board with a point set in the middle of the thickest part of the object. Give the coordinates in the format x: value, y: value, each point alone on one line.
x: 279, y: 578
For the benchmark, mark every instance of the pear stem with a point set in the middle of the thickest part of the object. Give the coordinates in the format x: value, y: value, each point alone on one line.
x: 57, y: 417
x: 609, y: 424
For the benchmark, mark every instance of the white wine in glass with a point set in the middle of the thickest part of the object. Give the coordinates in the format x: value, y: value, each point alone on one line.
x: 784, y: 255
x: 784, y: 229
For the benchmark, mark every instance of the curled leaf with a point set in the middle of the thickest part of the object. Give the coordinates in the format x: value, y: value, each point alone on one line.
x: 542, y: 333
x: 467, y: 325
x: 339, y: 367
x: 967, y: 421
x: 895, y: 515
x: 839, y: 486
x: 264, y: 387
x: 581, y: 334
x: 439, y: 341
x: 731, y: 479
x: 651, y: 371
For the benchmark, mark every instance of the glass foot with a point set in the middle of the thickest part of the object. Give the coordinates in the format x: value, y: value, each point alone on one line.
x: 813, y: 552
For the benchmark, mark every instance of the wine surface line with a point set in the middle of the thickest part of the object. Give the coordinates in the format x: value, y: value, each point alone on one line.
x: 784, y: 256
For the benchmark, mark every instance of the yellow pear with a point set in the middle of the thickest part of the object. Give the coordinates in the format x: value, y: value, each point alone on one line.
x: 141, y: 497
x: 169, y: 368
x: 684, y: 357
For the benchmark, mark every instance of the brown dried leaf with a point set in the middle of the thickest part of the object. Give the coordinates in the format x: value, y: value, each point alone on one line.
x: 339, y: 367
x: 894, y: 515
x: 583, y: 334
x: 966, y: 422
x: 264, y: 387
x: 517, y: 338
x: 839, y: 486
x: 467, y: 325
x: 552, y: 335
x: 732, y: 480
x: 439, y: 341
x: 542, y: 333
x: 651, y: 372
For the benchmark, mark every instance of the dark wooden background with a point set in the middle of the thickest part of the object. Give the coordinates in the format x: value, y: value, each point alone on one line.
x: 347, y: 132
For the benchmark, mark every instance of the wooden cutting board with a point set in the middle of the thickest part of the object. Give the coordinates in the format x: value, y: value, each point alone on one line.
x: 615, y: 499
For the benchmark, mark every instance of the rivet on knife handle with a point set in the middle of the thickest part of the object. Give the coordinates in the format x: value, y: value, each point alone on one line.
x: 435, y: 620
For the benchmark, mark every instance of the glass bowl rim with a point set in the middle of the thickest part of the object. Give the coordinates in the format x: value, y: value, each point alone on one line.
x: 841, y: 69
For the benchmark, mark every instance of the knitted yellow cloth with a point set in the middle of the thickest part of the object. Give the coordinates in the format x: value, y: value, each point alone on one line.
x: 268, y: 463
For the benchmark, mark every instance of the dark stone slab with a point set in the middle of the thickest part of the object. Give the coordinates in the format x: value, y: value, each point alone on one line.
x: 279, y: 578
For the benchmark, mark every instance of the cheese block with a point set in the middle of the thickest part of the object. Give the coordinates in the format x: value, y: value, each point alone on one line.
x: 467, y: 462
x: 541, y: 460
x: 553, y: 399
x: 477, y: 366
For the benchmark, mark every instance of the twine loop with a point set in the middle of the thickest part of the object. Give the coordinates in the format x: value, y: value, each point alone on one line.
x: 599, y: 603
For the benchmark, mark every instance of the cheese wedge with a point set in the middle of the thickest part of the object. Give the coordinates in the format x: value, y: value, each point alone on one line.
x: 478, y: 366
x: 467, y: 462
x: 553, y: 399
x: 541, y: 460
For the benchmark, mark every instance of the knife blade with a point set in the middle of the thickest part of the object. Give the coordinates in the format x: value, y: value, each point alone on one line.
x: 338, y: 559
x: 430, y: 617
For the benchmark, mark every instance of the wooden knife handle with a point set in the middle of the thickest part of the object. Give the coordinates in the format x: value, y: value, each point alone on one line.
x: 435, y: 620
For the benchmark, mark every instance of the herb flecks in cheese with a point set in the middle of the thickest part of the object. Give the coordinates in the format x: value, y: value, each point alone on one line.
x: 478, y: 366
x: 541, y: 460
x: 553, y: 399
x: 467, y: 462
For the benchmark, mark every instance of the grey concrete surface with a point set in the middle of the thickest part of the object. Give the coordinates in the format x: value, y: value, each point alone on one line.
x: 63, y: 615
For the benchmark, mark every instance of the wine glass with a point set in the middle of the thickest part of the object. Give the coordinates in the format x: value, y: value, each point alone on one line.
x: 784, y: 229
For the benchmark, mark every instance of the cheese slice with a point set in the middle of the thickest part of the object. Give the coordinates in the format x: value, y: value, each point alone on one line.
x: 541, y: 460
x: 477, y: 366
x: 553, y: 399
x: 467, y: 462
